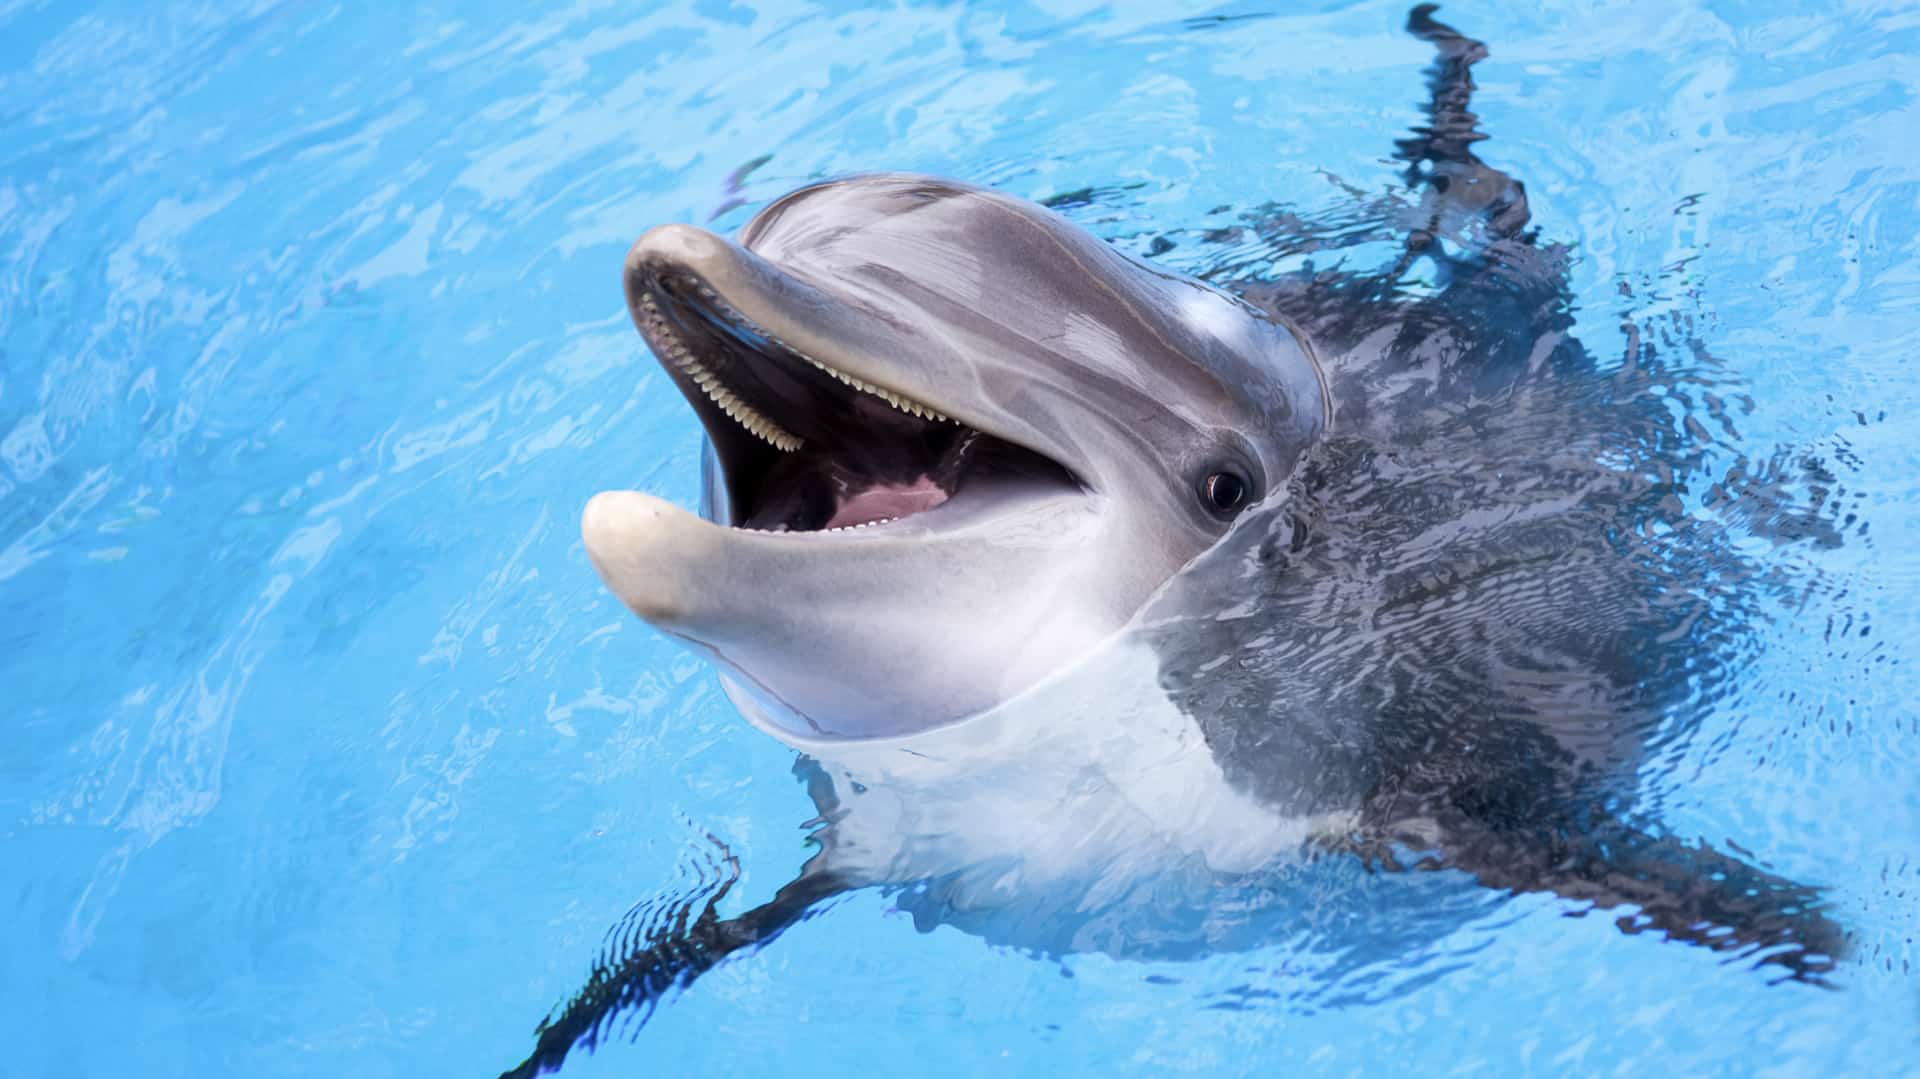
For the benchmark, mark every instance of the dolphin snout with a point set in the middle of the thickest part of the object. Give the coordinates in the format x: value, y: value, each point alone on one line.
x: 686, y: 250
x: 643, y: 549
x: 688, y: 255
x: 679, y: 245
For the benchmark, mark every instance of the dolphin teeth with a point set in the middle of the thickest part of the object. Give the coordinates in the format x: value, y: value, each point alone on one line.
x: 904, y: 404
x: 863, y: 524
x: 899, y: 401
x: 752, y: 419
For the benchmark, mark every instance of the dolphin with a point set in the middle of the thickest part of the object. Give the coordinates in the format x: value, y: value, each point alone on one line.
x: 1065, y: 572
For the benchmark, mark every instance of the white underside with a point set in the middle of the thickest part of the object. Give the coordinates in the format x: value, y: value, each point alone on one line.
x: 1091, y: 780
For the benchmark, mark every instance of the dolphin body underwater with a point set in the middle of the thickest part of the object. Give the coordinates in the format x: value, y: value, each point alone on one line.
x: 1070, y: 576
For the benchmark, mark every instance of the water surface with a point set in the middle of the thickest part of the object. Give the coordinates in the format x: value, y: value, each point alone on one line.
x: 325, y: 752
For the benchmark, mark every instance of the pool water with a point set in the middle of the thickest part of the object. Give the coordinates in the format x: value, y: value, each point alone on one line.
x: 325, y: 752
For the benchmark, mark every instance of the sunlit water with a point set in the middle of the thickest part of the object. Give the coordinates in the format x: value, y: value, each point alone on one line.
x: 325, y: 753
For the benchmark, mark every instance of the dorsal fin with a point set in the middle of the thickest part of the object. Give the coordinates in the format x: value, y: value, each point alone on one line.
x: 1458, y: 189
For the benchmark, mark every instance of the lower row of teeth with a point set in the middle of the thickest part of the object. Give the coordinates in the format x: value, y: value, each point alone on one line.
x: 861, y: 525
x: 742, y: 413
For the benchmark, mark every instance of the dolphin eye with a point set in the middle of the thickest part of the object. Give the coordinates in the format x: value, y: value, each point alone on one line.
x: 1225, y: 492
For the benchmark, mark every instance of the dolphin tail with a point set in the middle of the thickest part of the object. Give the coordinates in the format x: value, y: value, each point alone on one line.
x: 643, y: 963
x: 1688, y: 892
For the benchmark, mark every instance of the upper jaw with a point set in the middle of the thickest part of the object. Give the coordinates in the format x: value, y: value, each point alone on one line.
x: 875, y: 353
x: 804, y: 443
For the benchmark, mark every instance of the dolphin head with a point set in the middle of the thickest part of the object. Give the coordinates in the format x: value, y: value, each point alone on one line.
x: 954, y: 442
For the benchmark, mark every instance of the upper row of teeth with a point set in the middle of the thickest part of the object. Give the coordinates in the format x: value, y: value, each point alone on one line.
x: 904, y: 404
x: 756, y: 422
x: 677, y: 353
x: 900, y: 401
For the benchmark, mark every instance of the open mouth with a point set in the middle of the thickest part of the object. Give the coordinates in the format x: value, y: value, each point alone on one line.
x: 806, y: 447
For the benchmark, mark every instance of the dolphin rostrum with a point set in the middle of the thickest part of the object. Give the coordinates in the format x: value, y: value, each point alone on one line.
x: 1067, y: 572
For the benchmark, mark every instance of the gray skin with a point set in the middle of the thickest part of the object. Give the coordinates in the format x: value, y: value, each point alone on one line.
x: 1458, y: 600
x: 1139, y: 384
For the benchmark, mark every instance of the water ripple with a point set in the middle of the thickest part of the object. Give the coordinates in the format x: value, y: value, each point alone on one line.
x: 323, y: 739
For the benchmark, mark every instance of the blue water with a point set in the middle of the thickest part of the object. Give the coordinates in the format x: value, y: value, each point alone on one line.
x: 324, y: 751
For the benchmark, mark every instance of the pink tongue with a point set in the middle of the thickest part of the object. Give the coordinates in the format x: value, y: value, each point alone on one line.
x: 887, y: 500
